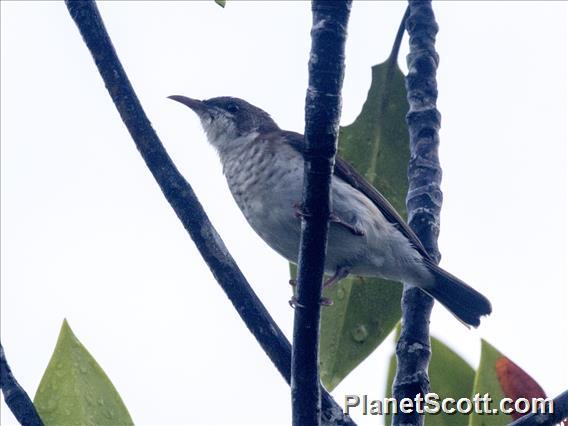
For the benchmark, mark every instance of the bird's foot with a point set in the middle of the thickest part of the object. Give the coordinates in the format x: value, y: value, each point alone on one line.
x: 293, y: 302
x: 340, y: 273
x: 324, y: 301
x: 353, y: 228
x: 299, y: 211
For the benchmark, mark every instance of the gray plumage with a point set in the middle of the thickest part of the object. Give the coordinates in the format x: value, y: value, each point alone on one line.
x: 264, y: 166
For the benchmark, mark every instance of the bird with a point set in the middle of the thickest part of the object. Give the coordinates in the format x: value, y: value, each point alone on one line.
x: 264, y: 169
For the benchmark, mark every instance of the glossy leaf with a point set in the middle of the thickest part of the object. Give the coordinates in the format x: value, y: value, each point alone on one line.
x: 450, y: 376
x: 501, y: 377
x: 75, y: 390
x: 516, y: 383
x: 365, y: 310
x: 486, y: 382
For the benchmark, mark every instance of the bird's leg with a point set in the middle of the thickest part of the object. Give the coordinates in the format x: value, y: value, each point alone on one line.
x: 293, y: 302
x: 340, y: 273
x: 333, y: 218
x: 353, y: 228
x: 299, y: 211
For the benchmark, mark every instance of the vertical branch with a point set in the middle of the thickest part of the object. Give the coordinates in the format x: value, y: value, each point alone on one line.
x: 423, y: 202
x: 323, y: 110
x: 183, y: 200
x: 16, y: 398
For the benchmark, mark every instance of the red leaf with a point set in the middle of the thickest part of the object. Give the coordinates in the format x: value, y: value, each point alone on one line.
x: 516, y: 383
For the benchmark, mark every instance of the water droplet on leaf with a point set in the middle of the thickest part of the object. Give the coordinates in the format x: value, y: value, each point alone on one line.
x: 360, y: 333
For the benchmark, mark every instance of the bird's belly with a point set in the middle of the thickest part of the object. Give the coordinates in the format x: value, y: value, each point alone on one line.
x: 275, y: 218
x: 273, y: 214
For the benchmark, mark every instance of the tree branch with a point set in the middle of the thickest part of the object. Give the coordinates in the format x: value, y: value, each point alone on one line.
x: 183, y: 200
x: 323, y: 109
x: 560, y: 413
x: 423, y: 202
x: 15, y: 396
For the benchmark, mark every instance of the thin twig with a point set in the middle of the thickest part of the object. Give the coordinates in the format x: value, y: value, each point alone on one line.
x: 183, y: 200
x: 15, y: 396
x: 560, y: 413
x: 393, y: 56
x: 423, y: 203
x: 323, y: 109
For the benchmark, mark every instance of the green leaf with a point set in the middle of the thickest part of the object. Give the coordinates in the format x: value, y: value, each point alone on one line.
x: 220, y: 2
x: 365, y: 310
x: 75, y: 390
x: 486, y: 381
x: 450, y: 376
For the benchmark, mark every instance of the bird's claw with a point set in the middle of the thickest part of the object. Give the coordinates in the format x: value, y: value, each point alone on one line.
x: 353, y: 228
x: 299, y: 211
x: 340, y: 273
x: 293, y: 302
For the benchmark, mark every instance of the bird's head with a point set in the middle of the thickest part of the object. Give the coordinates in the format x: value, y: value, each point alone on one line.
x: 227, y: 120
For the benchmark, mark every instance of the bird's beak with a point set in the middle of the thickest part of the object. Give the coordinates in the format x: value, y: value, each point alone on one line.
x: 198, y: 106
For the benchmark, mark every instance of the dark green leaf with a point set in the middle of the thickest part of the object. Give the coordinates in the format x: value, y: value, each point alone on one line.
x: 366, y: 310
x: 220, y: 2
x: 75, y: 390
x: 450, y: 376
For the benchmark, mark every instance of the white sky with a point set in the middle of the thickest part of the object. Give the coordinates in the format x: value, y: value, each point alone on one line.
x: 87, y: 235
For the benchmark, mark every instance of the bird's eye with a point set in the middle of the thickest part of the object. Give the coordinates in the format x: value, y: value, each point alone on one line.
x: 232, y: 108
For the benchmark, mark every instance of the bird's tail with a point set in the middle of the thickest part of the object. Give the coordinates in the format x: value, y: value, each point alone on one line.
x: 460, y: 299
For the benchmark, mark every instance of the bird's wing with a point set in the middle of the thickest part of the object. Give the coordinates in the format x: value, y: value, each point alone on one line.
x: 348, y: 174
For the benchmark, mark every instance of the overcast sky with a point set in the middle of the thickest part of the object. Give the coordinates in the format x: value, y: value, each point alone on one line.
x: 87, y: 235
